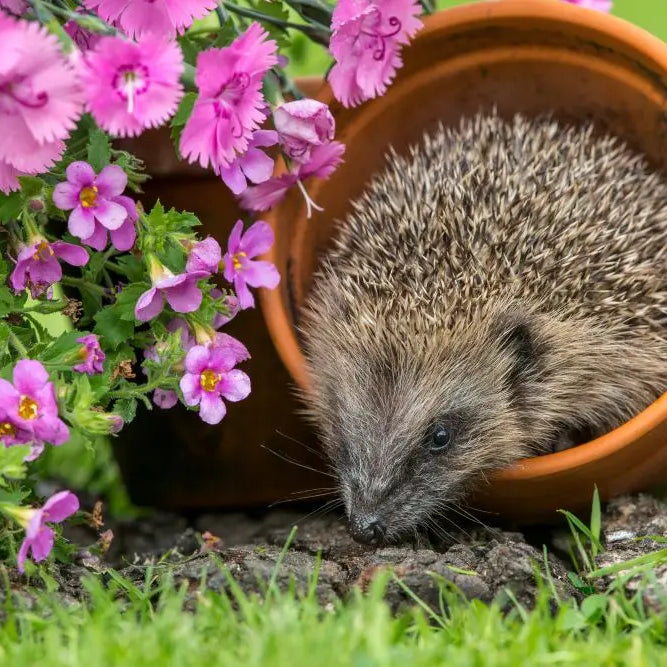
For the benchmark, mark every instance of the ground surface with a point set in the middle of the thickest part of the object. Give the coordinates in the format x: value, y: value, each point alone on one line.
x: 483, y: 563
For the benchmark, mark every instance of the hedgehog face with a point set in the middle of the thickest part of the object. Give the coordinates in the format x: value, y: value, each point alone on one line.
x: 410, y: 430
x: 410, y: 427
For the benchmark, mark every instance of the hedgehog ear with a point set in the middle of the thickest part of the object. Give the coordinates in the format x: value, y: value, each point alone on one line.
x: 515, y: 334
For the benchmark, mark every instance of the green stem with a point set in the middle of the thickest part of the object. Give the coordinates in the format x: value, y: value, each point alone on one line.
x: 428, y: 6
x: 82, y: 284
x: 138, y: 389
x: 20, y: 347
x: 320, y: 35
x: 653, y: 557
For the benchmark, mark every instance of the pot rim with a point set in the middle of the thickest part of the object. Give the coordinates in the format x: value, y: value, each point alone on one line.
x: 282, y: 332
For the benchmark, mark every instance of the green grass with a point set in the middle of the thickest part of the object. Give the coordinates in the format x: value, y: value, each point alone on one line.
x: 159, y: 624
x: 284, y: 630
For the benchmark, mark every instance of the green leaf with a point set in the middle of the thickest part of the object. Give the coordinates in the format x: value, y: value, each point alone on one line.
x: 10, y: 206
x: 11, y: 462
x: 31, y: 186
x: 127, y: 300
x: 180, y: 118
x: 126, y: 408
x: 596, y: 520
x: 99, y: 149
x: 184, y: 110
x: 594, y: 606
x: 111, y: 327
x: 63, y: 347
x: 131, y: 267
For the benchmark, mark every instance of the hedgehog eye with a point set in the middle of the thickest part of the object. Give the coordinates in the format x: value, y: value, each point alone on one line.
x: 440, y: 439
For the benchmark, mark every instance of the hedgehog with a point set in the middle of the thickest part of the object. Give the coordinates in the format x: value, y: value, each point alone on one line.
x: 499, y: 292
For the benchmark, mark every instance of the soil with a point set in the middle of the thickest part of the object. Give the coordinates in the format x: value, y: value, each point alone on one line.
x: 483, y: 563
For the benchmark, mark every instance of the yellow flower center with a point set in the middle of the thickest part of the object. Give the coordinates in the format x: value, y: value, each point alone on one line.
x: 209, y: 379
x: 82, y: 353
x: 43, y: 251
x: 7, y: 429
x: 236, y: 260
x: 88, y: 196
x: 27, y: 408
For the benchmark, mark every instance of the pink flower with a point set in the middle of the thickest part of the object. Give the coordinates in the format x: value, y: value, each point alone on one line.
x: 210, y: 375
x: 366, y: 39
x: 122, y: 238
x: 91, y: 355
x: 240, y: 268
x: 91, y: 198
x: 232, y: 305
x: 38, y: 536
x: 254, y: 165
x: 599, y: 5
x: 40, y: 99
x: 303, y: 124
x: 204, y: 256
x: 166, y: 398
x: 12, y: 433
x: 232, y: 345
x: 8, y: 178
x: 323, y: 161
x: 37, y: 265
x: 31, y: 402
x: 230, y: 103
x: 16, y: 7
x: 180, y: 291
x: 132, y: 86
x: 166, y: 17
x: 84, y: 39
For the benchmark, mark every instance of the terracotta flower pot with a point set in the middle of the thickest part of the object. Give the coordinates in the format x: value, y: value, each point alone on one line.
x: 528, y: 56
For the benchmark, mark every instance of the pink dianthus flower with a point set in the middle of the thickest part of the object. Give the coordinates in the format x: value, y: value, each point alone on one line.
x: 366, y: 39
x: 132, y: 86
x: 323, y: 161
x: 40, y: 100
x: 230, y: 103
x: 599, y: 5
x: 165, y: 17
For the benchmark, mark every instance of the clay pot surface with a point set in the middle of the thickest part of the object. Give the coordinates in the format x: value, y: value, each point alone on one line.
x: 528, y: 56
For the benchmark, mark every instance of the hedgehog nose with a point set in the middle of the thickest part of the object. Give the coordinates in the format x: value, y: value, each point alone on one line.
x: 368, y: 530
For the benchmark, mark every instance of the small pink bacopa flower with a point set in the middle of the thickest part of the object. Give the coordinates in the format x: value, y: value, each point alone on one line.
x: 204, y: 256
x: 164, y: 17
x: 230, y: 105
x: 366, y: 40
x: 180, y: 291
x: 254, y: 165
x: 37, y: 266
x: 131, y: 86
x: 95, y: 201
x: 30, y: 403
x: 40, y: 100
x: 91, y: 355
x: 240, y: 267
x: 210, y: 376
x: 38, y: 536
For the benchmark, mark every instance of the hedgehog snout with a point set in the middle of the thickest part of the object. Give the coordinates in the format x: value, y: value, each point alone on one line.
x: 367, y: 528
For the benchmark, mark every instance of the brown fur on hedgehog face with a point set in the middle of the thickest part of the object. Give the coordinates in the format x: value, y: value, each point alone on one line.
x: 409, y: 429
